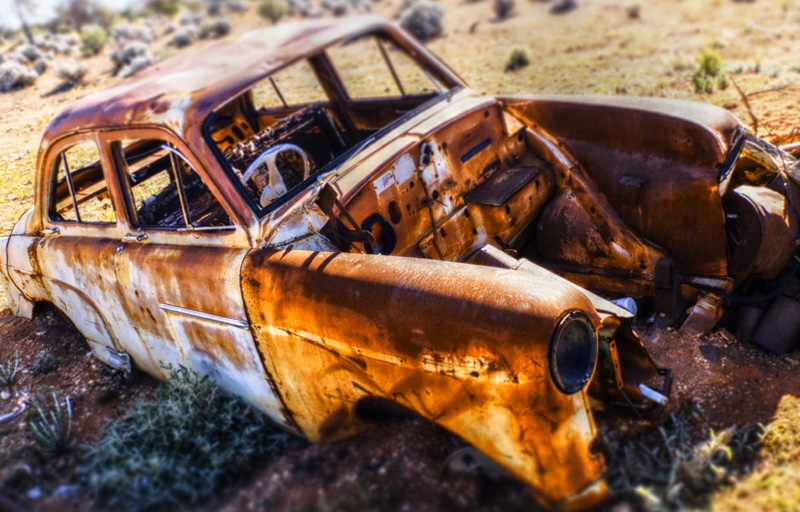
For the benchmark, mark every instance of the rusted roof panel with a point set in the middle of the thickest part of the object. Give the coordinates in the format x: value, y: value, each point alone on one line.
x: 180, y: 91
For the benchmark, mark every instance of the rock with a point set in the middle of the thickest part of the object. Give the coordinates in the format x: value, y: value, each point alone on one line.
x: 709, y: 353
x: 563, y: 6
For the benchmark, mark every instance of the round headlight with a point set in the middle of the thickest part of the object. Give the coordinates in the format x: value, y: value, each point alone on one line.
x: 573, y: 352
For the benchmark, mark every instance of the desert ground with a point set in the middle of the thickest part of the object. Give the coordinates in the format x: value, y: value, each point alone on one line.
x: 730, y: 436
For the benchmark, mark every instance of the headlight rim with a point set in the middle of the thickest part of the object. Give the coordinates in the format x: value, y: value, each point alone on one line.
x: 574, y: 315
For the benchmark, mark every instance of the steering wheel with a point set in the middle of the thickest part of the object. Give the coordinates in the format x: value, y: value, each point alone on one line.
x: 276, y: 186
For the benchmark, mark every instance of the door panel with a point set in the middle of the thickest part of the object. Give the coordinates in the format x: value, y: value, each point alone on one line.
x: 79, y: 277
x: 178, y: 272
x: 185, y: 304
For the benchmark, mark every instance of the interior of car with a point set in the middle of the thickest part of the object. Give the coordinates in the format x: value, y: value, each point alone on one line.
x: 290, y: 126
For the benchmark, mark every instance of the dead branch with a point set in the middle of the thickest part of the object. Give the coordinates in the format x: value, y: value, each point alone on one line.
x: 746, y: 104
x: 771, y: 89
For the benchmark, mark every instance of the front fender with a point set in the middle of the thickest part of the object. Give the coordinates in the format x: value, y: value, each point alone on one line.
x: 464, y: 346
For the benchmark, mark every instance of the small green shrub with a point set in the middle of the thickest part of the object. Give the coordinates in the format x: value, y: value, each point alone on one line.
x: 165, y: 7
x: 46, y: 363
x: 205, y: 31
x: 519, y: 58
x: 710, y: 62
x: 709, y: 72
x: 723, y: 81
x: 273, y: 10
x: 8, y: 371
x: 181, y: 445
x: 92, y: 43
x: 703, y: 83
x: 52, y: 431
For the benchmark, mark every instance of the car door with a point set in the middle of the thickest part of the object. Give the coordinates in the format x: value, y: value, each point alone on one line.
x: 178, y: 269
x: 75, y: 251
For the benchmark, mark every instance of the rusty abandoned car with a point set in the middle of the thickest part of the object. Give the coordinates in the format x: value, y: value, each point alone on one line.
x: 323, y: 217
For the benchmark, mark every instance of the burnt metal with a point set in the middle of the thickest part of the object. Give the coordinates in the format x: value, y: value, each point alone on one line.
x: 342, y: 235
x: 668, y: 287
x: 497, y: 190
x: 469, y: 155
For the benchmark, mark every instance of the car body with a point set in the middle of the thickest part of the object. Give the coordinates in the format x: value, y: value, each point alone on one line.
x: 324, y: 218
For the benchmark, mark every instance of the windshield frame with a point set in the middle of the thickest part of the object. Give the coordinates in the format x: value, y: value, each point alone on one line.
x: 427, y: 63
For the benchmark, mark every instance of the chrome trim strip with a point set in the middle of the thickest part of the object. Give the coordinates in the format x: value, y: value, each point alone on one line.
x: 241, y: 324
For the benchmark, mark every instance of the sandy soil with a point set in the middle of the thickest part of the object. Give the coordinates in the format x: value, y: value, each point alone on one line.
x: 596, y: 49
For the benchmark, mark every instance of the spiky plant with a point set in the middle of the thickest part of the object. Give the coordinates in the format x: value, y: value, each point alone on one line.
x: 8, y: 371
x: 51, y: 429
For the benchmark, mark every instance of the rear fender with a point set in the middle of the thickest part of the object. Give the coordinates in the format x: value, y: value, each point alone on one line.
x: 20, y: 305
x: 86, y: 317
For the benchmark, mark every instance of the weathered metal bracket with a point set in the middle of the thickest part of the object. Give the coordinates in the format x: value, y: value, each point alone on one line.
x: 119, y: 360
x: 342, y: 236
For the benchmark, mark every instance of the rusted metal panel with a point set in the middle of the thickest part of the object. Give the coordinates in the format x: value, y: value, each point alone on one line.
x: 169, y: 293
x: 628, y: 255
x: 658, y: 162
x: 357, y: 326
x: 762, y: 229
x: 180, y: 92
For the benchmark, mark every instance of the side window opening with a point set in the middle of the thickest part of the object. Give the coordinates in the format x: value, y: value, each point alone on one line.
x: 292, y: 86
x: 80, y: 192
x: 415, y: 80
x: 372, y: 66
x: 364, y: 69
x: 165, y: 190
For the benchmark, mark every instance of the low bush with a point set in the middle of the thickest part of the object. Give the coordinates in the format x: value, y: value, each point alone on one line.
x: 215, y: 28
x: 273, y: 10
x: 29, y: 53
x: 424, y: 19
x: 710, y: 73
x: 137, y: 64
x: 519, y: 58
x: 131, y: 57
x: 124, y: 33
x: 667, y: 469
x: 164, y: 7
x: 183, y: 444
x: 183, y: 37
x: 47, y: 362
x: 14, y: 75
x: 93, y: 42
